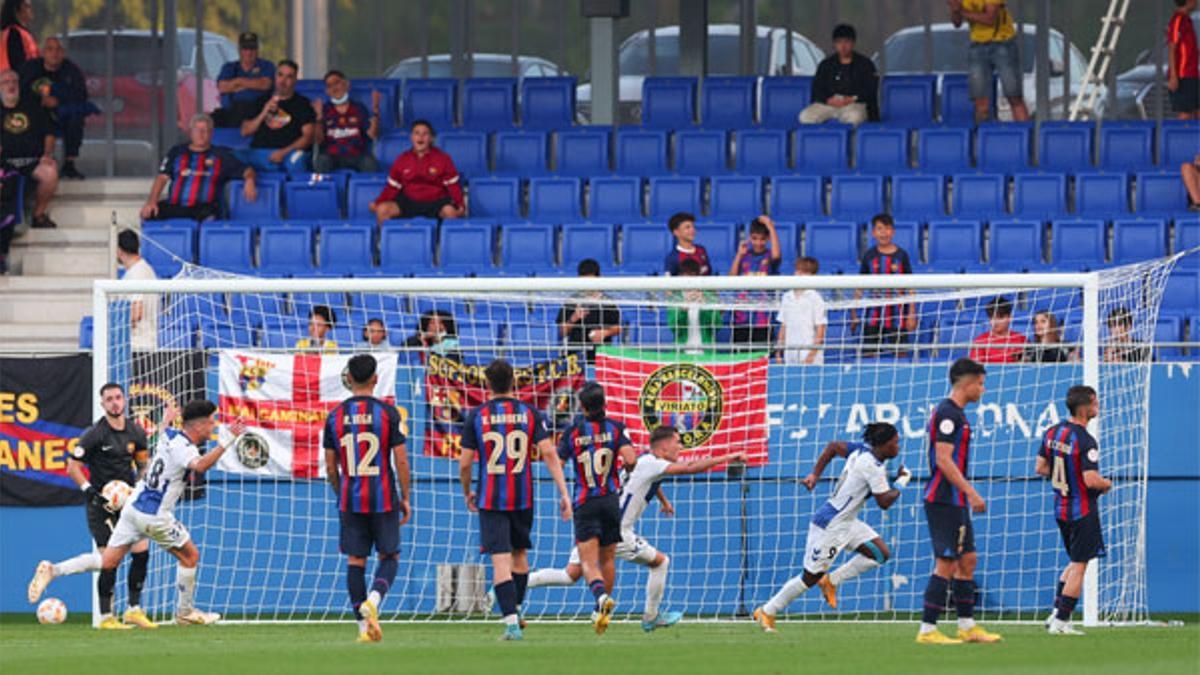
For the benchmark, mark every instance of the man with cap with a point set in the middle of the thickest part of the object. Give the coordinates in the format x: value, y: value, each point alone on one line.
x: 241, y: 83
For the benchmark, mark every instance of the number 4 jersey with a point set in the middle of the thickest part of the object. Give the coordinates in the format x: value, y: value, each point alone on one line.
x: 361, y: 431
x: 1070, y: 450
x: 503, y: 433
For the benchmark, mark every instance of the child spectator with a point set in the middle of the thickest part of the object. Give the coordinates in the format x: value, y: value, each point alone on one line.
x: 345, y: 129
x: 757, y: 257
x: 802, y: 321
x: 1000, y: 344
x: 320, y: 322
x: 891, y: 323
x: 1047, y: 344
x: 1121, y: 347
x: 695, y: 324
x: 375, y: 334
x: 1183, y: 71
x: 683, y: 228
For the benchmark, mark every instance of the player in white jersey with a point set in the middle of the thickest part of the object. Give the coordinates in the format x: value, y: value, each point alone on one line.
x: 149, y: 514
x: 638, y: 489
x: 835, y: 526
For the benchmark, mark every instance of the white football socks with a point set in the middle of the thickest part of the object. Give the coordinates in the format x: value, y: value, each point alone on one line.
x: 86, y: 562
x: 375, y: 599
x: 655, y: 586
x: 550, y: 578
x: 853, y: 567
x: 185, y: 581
x: 790, y: 591
x: 966, y: 624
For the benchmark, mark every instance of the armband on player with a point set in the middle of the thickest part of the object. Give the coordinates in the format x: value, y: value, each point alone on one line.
x: 902, y: 478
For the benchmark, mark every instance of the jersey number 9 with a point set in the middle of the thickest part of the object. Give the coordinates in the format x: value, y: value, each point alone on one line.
x: 514, y: 446
x: 366, y: 465
x: 596, y: 465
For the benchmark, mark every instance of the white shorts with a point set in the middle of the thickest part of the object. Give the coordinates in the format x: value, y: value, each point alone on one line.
x: 161, y: 528
x: 823, y: 544
x: 632, y: 549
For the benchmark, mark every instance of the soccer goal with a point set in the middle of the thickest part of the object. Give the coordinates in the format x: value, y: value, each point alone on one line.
x: 266, y: 523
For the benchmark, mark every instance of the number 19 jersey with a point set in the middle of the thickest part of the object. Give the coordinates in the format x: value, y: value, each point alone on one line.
x: 593, y: 446
x: 362, y: 431
x: 503, y: 433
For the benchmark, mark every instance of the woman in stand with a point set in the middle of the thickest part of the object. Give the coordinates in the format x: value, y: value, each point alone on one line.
x: 1047, y: 344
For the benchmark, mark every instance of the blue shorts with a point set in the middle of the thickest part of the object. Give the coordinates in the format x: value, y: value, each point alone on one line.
x: 950, y: 530
x: 1082, y: 538
x: 599, y: 518
x: 505, y: 531
x: 297, y: 162
x: 985, y: 59
x: 361, y: 531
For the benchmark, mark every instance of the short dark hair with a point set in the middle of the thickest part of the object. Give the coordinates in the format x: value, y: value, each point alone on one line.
x: 324, y: 312
x: 423, y: 123
x: 965, y: 367
x: 198, y: 410
x: 689, y: 268
x: 334, y: 72
x: 110, y: 385
x: 1079, y: 395
x: 499, y: 375
x: 361, y: 367
x: 129, y: 242
x: 289, y: 63
x: 998, y: 306
x: 588, y: 268
x: 678, y: 219
x: 662, y: 433
x: 844, y: 31
x: 759, y: 227
x: 592, y: 401
x: 1120, y: 315
x: 1180, y: 3
x: 878, y: 433
x: 883, y: 219
x: 442, y: 315
x: 808, y: 264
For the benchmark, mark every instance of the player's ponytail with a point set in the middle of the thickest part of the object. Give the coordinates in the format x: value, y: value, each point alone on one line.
x: 878, y: 433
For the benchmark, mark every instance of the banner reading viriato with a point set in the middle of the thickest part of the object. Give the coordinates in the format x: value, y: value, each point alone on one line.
x: 718, y: 402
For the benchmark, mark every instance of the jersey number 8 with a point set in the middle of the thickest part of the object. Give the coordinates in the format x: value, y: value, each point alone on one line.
x: 366, y: 465
x: 514, y: 446
x: 1058, y: 476
x: 596, y: 465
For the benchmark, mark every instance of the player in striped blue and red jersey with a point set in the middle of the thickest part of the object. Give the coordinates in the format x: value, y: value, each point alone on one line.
x: 506, y: 435
x: 1068, y: 455
x: 364, y: 455
x: 593, y: 443
x: 197, y: 172
x: 889, y: 323
x: 949, y: 500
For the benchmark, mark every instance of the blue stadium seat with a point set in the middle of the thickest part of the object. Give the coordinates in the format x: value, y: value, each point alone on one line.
x: 738, y: 197
x: 615, y: 199
x: 215, y: 335
x: 782, y: 100
x: 548, y: 102
x: 1040, y: 195
x: 528, y: 342
x: 701, y: 153
x: 362, y: 190
x: 881, y: 149
x: 303, y: 303
x: 956, y: 105
x: 1182, y: 293
x: 762, y: 152
x: 311, y: 200
x: 489, y: 103
x: 1177, y: 145
x: 312, y: 88
x: 581, y: 153
x: 720, y: 239
x: 672, y: 194
x: 907, y: 236
x: 495, y: 198
x: 266, y: 207
x: 1127, y: 146
x: 526, y: 249
x: 1066, y: 146
x: 406, y: 248
x: 433, y: 99
x: 227, y: 247
x: 955, y: 245
x: 834, y: 244
x: 727, y: 103
x: 285, y: 251
x: 668, y: 102
x: 172, y: 242
x: 822, y: 148
x: 469, y: 150
x: 789, y: 245
x: 465, y: 249
x: 979, y: 195
x: 1002, y: 147
x: 581, y: 241
x: 389, y: 101
x: 644, y: 247
x: 1137, y: 239
x: 1077, y: 244
x: 1161, y: 193
x: 855, y: 197
x: 391, y: 146
x: 642, y: 153
x: 944, y: 148
x: 555, y: 200
x: 907, y: 99
x: 1016, y: 245
x: 797, y: 197
x: 919, y: 196
x: 1187, y: 237
x: 521, y: 153
x: 1101, y: 194
x: 251, y: 309
x: 1169, y: 329
x: 347, y: 249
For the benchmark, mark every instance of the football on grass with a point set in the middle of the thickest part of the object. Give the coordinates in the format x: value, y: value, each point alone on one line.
x: 52, y: 610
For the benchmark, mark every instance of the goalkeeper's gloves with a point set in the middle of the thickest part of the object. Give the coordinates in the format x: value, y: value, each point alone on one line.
x: 94, y: 496
x: 902, y: 478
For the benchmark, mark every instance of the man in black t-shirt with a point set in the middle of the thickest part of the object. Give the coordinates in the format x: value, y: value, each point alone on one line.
x: 197, y: 172
x: 26, y: 147
x: 59, y: 84
x: 283, y: 129
x: 588, y: 322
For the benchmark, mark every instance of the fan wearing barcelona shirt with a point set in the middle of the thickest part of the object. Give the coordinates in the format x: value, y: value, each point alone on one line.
x: 364, y: 455
x: 1069, y: 457
x: 197, y: 172
x: 422, y: 183
x: 500, y: 440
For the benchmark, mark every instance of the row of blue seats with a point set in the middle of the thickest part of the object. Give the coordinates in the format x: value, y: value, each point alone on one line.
x: 851, y: 196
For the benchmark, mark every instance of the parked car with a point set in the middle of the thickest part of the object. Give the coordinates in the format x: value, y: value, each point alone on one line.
x: 1139, y: 89
x: 904, y: 53
x: 482, y: 65
x: 724, y: 58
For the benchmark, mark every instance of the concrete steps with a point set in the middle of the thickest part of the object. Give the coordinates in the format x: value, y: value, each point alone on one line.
x: 42, y: 313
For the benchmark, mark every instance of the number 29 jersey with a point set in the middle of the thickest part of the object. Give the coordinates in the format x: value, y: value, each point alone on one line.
x: 503, y: 433
x: 361, y: 431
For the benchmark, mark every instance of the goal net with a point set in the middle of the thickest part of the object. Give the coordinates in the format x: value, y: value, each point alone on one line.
x: 700, y: 354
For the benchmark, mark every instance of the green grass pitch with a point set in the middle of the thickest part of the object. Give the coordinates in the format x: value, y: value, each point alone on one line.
x: 729, y: 648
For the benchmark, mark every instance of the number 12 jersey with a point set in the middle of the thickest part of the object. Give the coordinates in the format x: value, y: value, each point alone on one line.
x: 361, y: 431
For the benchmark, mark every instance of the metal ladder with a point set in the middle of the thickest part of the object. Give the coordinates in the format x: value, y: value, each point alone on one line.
x: 1102, y: 55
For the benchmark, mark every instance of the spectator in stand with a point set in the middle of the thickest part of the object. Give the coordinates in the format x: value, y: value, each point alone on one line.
x: 588, y: 321
x: 375, y: 335
x: 19, y: 45
x: 27, y: 145
x: 891, y: 323
x: 242, y: 83
x: 1183, y: 69
x: 758, y: 256
x: 143, y: 308
x: 846, y: 85
x: 683, y: 228
x: 320, y: 322
x: 695, y: 323
x: 283, y: 127
x: 1190, y: 173
x: 1000, y: 344
x: 1047, y: 344
x: 802, y: 321
x: 422, y: 183
x: 993, y: 53
x: 62, y: 89
x: 1121, y: 347
x: 197, y: 172
x: 436, y: 332
x: 344, y: 129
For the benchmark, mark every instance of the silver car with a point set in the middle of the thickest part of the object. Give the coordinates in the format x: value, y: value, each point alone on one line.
x: 482, y: 65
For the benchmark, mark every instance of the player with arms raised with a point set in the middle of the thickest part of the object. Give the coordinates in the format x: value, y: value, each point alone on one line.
x: 1070, y: 458
x: 150, y: 513
x: 507, y: 435
x: 949, y: 501
x: 364, y: 454
x: 835, y: 526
